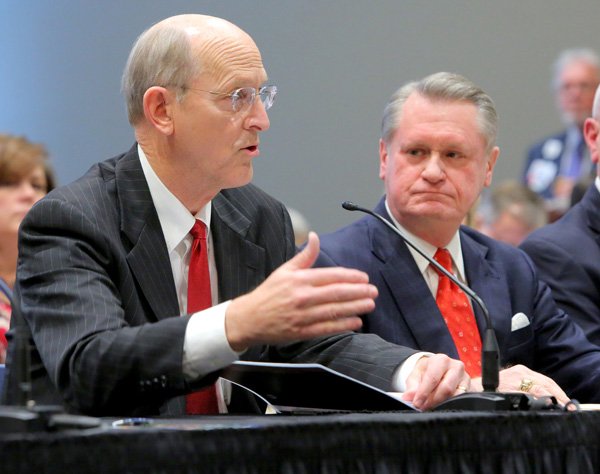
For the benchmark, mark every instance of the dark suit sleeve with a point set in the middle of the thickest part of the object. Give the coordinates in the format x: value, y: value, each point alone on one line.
x: 560, y: 349
x: 574, y: 287
x: 87, y: 323
x: 365, y: 357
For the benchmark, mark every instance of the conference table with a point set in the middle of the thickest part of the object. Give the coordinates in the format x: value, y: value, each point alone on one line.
x: 380, y: 442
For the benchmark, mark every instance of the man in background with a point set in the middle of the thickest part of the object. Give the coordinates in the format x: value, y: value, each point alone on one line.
x: 161, y: 266
x: 510, y: 213
x: 437, y: 152
x: 557, y: 162
x: 567, y: 252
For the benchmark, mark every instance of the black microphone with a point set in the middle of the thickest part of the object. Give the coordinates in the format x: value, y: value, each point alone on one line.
x: 18, y: 411
x: 490, y: 367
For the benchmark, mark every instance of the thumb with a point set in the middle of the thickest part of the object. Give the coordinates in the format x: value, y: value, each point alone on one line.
x: 307, y: 256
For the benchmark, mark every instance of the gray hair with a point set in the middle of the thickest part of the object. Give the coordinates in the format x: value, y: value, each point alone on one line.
x: 519, y: 201
x: 569, y: 56
x: 161, y: 56
x: 443, y: 86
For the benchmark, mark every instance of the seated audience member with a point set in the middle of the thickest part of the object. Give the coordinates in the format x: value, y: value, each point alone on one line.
x: 161, y: 266
x: 567, y: 252
x: 557, y: 162
x: 437, y: 152
x: 25, y: 177
x: 511, y: 212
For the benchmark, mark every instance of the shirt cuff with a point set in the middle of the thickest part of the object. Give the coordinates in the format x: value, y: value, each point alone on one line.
x: 205, y: 345
x: 404, y: 370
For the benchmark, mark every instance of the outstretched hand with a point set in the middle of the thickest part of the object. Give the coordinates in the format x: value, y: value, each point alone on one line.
x: 298, y: 302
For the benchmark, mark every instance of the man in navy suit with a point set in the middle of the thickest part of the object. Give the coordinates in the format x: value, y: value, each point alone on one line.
x: 103, y: 264
x: 567, y: 252
x: 437, y: 153
x: 557, y: 162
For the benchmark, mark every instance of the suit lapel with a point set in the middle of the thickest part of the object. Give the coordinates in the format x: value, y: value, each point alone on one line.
x: 240, y: 262
x: 148, y: 257
x: 591, y: 204
x: 485, y: 278
x: 409, y: 290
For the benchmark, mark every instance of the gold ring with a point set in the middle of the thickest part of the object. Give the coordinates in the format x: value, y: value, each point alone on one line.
x: 462, y: 388
x: 526, y: 385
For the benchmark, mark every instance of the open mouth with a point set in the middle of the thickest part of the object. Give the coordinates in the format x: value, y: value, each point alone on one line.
x: 251, y: 148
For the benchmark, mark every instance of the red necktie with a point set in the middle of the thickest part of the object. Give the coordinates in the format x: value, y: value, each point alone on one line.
x: 459, y: 317
x: 203, y: 401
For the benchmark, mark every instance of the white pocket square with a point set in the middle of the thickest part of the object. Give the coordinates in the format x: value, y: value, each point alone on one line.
x: 518, y: 321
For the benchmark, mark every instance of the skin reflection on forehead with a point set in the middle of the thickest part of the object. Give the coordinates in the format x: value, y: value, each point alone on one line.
x: 230, y: 60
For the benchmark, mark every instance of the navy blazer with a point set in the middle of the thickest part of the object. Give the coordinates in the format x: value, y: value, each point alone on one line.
x: 544, y: 160
x: 504, y: 278
x: 98, y: 297
x: 567, y: 256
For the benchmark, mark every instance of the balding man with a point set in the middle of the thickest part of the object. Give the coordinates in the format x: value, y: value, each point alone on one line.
x: 128, y: 310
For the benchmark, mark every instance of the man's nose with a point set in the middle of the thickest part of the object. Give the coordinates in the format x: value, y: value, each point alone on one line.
x: 257, y: 117
x: 433, y: 169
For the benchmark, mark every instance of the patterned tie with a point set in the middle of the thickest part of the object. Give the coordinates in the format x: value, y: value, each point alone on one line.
x: 203, y: 401
x: 459, y: 317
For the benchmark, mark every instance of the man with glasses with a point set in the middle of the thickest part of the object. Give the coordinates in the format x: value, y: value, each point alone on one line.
x: 557, y: 162
x: 172, y: 227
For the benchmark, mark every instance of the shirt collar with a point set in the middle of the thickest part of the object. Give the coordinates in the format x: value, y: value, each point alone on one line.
x: 175, y: 220
x: 454, y: 247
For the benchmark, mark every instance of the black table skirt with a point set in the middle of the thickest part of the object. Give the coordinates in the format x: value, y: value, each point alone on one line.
x: 536, y: 442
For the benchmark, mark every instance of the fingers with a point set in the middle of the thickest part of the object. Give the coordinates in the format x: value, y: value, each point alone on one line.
x: 476, y: 385
x: 307, y: 256
x: 463, y: 387
x: 329, y: 327
x: 520, y: 378
x: 435, y: 379
x: 328, y: 297
x: 299, y: 303
x: 305, y: 259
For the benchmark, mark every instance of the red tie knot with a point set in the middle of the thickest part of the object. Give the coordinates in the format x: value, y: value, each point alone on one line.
x: 443, y: 257
x: 198, y: 231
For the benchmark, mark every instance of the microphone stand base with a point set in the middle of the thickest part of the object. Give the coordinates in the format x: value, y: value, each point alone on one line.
x: 497, y: 401
x: 16, y: 419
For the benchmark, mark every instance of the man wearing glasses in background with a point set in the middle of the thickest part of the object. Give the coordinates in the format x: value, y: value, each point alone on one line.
x: 558, y: 162
x: 108, y: 261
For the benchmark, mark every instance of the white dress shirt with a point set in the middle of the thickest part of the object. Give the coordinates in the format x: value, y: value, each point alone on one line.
x: 205, y: 347
x: 431, y: 277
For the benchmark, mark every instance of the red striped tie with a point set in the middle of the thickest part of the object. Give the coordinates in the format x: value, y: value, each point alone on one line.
x: 203, y: 401
x: 459, y: 317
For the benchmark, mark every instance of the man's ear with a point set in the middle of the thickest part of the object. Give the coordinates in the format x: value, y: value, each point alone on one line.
x: 491, y: 162
x: 383, y: 156
x: 591, y: 131
x: 158, y: 108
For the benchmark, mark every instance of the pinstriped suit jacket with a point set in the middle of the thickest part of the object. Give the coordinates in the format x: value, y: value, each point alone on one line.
x: 98, y: 297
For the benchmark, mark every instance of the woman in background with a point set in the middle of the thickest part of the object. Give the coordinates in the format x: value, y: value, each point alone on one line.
x: 25, y: 177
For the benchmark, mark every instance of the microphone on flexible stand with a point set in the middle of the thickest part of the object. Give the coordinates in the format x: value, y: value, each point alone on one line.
x: 489, y: 399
